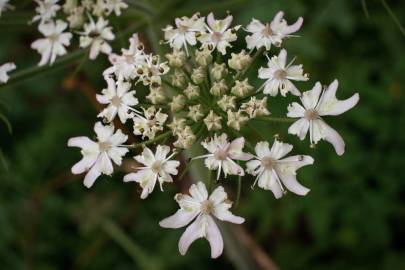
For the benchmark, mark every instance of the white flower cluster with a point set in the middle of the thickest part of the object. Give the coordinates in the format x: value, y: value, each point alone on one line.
x: 203, y: 94
x: 58, y: 20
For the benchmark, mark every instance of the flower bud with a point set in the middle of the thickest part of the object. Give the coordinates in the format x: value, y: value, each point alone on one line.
x: 156, y: 95
x: 227, y: 103
x: 179, y: 79
x: 192, y: 91
x: 203, y: 57
x: 241, y: 88
x: 177, y: 58
x: 219, y: 88
x: 76, y: 17
x: 239, y: 61
x: 219, y: 71
x: 255, y: 107
x: 177, y: 103
x: 213, y: 121
x: 195, y: 112
x: 199, y: 74
x: 236, y: 119
x: 185, y: 138
x: 177, y: 125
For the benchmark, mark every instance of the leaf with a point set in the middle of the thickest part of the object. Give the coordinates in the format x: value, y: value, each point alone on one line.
x: 7, y: 122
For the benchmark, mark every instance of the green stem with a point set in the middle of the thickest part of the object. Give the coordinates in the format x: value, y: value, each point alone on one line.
x: 239, y: 191
x: 275, y: 119
x: 151, y: 141
x: 143, y: 260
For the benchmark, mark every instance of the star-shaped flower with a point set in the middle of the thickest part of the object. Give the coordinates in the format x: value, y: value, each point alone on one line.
x: 263, y: 35
x: 119, y: 99
x: 46, y: 10
x: 278, y: 76
x: 97, y: 156
x: 204, y: 210
x: 185, y: 31
x: 315, y: 104
x: 223, y: 153
x: 273, y: 169
x: 54, y: 43
x: 158, y: 167
x: 96, y: 35
x: 219, y: 34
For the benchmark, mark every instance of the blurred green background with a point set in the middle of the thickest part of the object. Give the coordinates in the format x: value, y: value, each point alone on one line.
x: 353, y: 218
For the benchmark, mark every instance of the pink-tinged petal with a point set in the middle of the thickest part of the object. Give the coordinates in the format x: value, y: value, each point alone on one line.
x: 299, y: 128
x: 294, y: 27
x: 81, y: 142
x: 199, y: 192
x: 337, y: 107
x: 211, y: 20
x: 295, y: 110
x: 214, y: 237
x: 280, y: 149
x: 262, y: 149
x: 180, y: 219
x: 334, y: 138
x: 277, y: 19
x: 282, y: 58
x: 310, y: 98
x: 227, y: 22
x: 218, y: 195
x: 222, y: 213
x: 291, y: 183
x: 192, y: 233
x: 91, y: 177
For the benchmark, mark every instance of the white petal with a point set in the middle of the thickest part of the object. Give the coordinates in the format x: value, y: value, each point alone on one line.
x: 310, y: 98
x: 214, y: 237
x: 299, y: 128
x: 334, y: 138
x: 291, y: 183
x: 192, y: 233
x: 262, y: 149
x: 280, y: 149
x: 91, y: 176
x: 180, y: 219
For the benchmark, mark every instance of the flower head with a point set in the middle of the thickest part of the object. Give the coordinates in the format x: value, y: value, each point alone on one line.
x: 273, y: 170
x: 279, y: 75
x: 97, y: 156
x: 119, y: 99
x: 96, y: 36
x: 203, y: 209
x: 54, y: 42
x: 185, y: 32
x: 315, y: 104
x: 4, y: 69
x: 222, y: 155
x: 219, y: 34
x: 158, y: 167
x: 263, y: 35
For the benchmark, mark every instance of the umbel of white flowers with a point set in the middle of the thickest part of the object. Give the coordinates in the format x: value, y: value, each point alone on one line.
x: 196, y: 98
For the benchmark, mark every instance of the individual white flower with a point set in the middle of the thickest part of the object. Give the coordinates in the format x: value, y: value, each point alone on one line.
x: 4, y: 70
x: 97, y: 156
x: 223, y: 153
x: 125, y: 66
x: 203, y: 209
x: 4, y: 5
x: 263, y: 35
x: 274, y: 170
x: 149, y: 124
x: 255, y: 107
x: 317, y: 103
x: 46, y: 10
x: 96, y: 35
x: 219, y: 34
x: 185, y: 31
x: 279, y: 75
x: 119, y: 99
x: 158, y: 167
x: 115, y: 6
x: 54, y: 43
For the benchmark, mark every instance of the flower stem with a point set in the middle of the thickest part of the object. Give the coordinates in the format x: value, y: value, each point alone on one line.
x: 151, y: 141
x: 274, y: 119
x: 239, y: 191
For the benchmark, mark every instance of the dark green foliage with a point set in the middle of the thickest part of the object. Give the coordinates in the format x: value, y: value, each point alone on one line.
x: 353, y: 218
